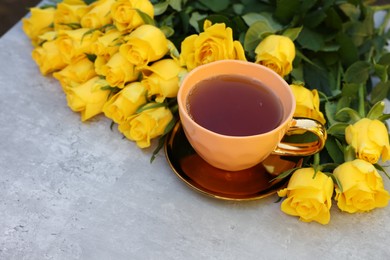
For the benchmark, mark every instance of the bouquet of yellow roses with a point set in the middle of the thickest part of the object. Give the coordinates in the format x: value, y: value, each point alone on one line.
x: 125, y: 59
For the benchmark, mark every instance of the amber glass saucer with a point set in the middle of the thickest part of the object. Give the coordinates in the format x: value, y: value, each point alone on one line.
x: 250, y: 184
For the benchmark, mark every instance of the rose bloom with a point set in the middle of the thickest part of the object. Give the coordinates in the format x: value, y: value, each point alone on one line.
x: 363, y: 188
x: 146, y: 125
x: 75, y: 73
x: 74, y: 44
x: 215, y: 43
x: 125, y: 16
x: 145, y: 44
x: 68, y: 15
x: 277, y: 53
x: 48, y: 57
x: 370, y: 140
x: 107, y: 44
x: 38, y: 23
x: 88, y: 98
x: 162, y: 79
x: 307, y: 103
x: 99, y: 15
x: 307, y: 197
x: 120, y: 71
x: 125, y: 103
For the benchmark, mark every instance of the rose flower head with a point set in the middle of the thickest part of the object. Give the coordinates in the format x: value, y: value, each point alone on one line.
x: 307, y: 103
x: 125, y: 15
x: 362, y: 187
x: 215, y: 43
x: 276, y: 52
x: 308, y: 197
x: 370, y: 140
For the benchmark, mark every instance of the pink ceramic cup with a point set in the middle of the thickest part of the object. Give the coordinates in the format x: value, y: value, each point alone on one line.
x: 235, y: 153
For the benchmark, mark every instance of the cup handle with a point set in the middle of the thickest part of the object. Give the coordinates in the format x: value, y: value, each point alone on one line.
x: 303, y: 149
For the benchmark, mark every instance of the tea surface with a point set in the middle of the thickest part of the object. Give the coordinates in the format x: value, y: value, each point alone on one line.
x: 234, y: 105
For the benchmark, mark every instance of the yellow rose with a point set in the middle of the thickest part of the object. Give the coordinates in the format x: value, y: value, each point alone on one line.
x: 124, y: 103
x: 215, y: 43
x: 107, y: 44
x: 307, y: 103
x: 363, y: 188
x: 162, y: 79
x: 125, y: 16
x: 120, y: 71
x: 307, y: 197
x: 67, y: 16
x: 48, y: 57
x: 75, y: 73
x: 145, y: 44
x: 146, y: 125
x: 99, y: 15
x: 88, y: 98
x: 39, y: 22
x: 277, y: 53
x: 74, y: 44
x: 370, y: 140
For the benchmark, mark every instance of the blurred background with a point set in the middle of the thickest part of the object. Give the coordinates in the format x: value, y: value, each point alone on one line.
x: 11, y: 11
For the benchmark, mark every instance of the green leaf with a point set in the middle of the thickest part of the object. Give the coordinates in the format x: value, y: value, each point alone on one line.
x: 337, y: 129
x: 145, y: 17
x: 176, y: 4
x: 215, y: 5
x: 380, y: 168
x: 292, y: 33
x: 160, y: 8
x: 351, y: 11
x: 359, y: 72
x: 285, y: 9
x: 353, y: 114
x: 348, y: 51
x: 333, y: 149
x: 384, y: 117
x: 311, y: 40
x: 255, y: 34
x: 251, y: 18
x: 380, y: 91
x: 381, y: 71
x: 376, y: 111
x: 330, y: 111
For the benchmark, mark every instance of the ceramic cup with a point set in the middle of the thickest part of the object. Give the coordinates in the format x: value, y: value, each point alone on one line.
x: 235, y: 153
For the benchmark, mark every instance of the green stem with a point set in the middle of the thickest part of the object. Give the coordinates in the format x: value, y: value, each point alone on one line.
x: 362, y: 100
x: 381, y: 7
x: 385, y: 22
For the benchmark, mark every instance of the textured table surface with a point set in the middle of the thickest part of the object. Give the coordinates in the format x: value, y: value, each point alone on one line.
x: 73, y: 190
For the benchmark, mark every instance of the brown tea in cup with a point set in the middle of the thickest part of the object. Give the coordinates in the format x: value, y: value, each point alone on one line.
x: 234, y: 105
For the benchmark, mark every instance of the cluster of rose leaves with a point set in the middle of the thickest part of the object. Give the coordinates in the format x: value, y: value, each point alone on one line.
x: 121, y: 58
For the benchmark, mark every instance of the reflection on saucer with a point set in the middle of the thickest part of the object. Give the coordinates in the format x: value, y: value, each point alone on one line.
x: 253, y: 183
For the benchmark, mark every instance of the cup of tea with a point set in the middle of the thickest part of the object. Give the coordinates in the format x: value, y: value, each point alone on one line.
x: 236, y: 113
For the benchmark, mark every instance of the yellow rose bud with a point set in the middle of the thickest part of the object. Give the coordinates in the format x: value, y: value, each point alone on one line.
x: 307, y: 197
x: 67, y: 16
x: 145, y: 44
x: 39, y: 22
x: 120, y: 71
x: 363, y: 188
x: 277, y: 53
x: 48, y: 57
x: 215, y: 43
x: 126, y: 102
x: 99, y: 15
x: 307, y: 103
x: 125, y: 16
x: 162, y: 79
x: 74, y: 44
x: 75, y: 73
x: 370, y: 139
x: 146, y: 125
x: 88, y: 98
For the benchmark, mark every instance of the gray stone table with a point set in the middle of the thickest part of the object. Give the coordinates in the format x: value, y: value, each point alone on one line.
x: 73, y: 190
